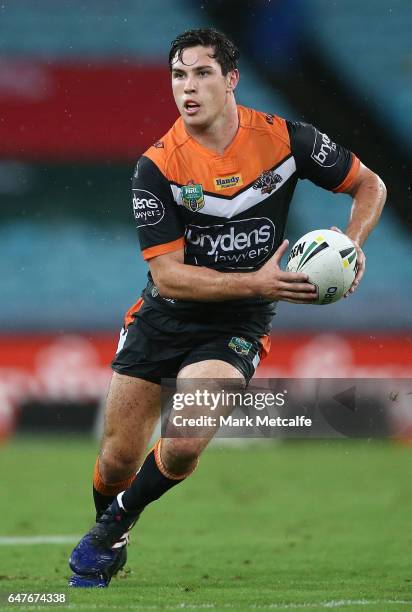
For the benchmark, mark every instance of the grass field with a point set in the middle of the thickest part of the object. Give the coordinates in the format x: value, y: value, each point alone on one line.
x: 298, y: 525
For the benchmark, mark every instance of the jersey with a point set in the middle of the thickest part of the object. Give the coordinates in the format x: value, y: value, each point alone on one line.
x: 228, y: 212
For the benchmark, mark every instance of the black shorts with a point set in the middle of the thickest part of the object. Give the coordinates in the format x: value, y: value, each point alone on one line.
x: 154, y: 345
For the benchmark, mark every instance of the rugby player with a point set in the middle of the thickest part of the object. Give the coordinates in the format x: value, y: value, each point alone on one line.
x: 210, y: 200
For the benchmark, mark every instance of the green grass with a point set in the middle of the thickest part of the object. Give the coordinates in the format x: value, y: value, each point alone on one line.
x: 266, y: 526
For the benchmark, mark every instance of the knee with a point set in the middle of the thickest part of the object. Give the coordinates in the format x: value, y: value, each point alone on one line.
x: 180, y: 455
x: 116, y: 464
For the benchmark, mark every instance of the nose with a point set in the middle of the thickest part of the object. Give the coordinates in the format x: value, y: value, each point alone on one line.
x: 190, y: 85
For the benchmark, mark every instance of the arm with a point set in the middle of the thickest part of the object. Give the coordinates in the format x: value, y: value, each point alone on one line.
x: 177, y: 280
x: 331, y: 166
x: 369, y: 195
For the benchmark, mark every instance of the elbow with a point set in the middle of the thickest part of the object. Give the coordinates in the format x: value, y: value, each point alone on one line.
x: 163, y: 284
x: 372, y: 186
x: 380, y: 189
x: 374, y: 181
x: 165, y: 270
x: 383, y: 190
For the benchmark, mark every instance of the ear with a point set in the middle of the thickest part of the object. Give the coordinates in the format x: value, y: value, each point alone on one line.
x: 232, y: 79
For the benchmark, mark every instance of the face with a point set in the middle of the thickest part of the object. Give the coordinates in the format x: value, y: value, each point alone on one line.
x: 199, y: 88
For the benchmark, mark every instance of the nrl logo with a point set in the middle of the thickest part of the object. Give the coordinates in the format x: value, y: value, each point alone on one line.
x: 240, y: 345
x: 268, y: 181
x: 192, y: 196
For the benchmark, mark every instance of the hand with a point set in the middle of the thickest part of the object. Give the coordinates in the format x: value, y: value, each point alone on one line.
x: 360, y: 264
x: 274, y: 284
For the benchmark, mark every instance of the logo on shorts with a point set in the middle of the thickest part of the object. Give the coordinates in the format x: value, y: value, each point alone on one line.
x: 226, y: 182
x: 267, y: 181
x: 324, y: 151
x: 240, y: 345
x: 192, y: 196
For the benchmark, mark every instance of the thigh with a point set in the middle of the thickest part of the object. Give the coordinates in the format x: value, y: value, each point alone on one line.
x: 202, y: 375
x: 208, y: 369
x: 236, y: 354
x: 132, y: 410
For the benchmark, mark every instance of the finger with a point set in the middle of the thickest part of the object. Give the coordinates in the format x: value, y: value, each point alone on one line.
x: 280, y: 251
x: 359, y: 275
x: 297, y: 296
x: 350, y: 291
x: 361, y: 264
x: 292, y: 277
x: 297, y: 301
x: 352, y: 288
x: 300, y: 287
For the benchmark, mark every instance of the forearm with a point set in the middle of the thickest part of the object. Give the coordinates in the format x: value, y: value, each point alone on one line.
x: 186, y: 282
x: 368, y: 200
x: 177, y: 280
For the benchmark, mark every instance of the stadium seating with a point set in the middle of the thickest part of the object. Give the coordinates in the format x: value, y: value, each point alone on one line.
x: 370, y: 43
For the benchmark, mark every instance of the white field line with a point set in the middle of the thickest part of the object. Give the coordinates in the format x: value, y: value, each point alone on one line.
x: 340, y: 603
x: 39, y: 539
x: 72, y: 539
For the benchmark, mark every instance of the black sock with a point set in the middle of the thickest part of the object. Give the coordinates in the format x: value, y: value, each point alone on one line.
x: 101, y: 502
x: 103, y: 493
x: 149, y: 484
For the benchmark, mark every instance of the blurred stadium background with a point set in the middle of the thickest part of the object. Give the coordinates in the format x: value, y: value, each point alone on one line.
x: 84, y: 89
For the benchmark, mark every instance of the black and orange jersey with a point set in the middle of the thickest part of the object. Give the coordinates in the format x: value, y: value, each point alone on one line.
x: 229, y: 211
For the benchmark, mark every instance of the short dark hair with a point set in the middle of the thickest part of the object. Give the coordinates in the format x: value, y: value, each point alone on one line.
x: 225, y: 52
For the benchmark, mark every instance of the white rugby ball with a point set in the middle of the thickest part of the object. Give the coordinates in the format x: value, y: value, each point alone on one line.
x: 329, y: 259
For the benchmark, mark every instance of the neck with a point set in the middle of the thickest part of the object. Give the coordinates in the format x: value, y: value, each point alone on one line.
x: 221, y: 132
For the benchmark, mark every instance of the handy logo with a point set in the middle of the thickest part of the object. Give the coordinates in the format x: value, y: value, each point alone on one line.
x: 227, y: 182
x: 237, y: 244
x: 324, y: 150
x: 147, y: 208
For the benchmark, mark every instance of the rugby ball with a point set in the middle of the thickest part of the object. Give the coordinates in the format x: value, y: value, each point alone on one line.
x: 329, y: 259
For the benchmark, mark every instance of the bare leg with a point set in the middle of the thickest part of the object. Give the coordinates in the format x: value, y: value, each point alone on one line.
x: 180, y: 455
x: 132, y: 410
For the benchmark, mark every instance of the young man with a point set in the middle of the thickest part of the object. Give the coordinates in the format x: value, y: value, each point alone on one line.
x: 210, y: 201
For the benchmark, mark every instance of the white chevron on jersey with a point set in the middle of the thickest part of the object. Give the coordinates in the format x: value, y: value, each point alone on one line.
x: 228, y: 208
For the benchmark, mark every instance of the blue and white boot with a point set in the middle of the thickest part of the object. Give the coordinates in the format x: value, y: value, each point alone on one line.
x: 102, y: 552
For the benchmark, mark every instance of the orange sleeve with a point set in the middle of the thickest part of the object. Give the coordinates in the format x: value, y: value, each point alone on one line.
x: 162, y: 249
x: 350, y: 177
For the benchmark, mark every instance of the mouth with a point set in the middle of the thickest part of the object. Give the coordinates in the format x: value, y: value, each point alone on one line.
x: 191, y: 107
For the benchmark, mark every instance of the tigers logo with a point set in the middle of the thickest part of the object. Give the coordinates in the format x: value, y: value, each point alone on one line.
x: 267, y: 181
x: 192, y: 196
